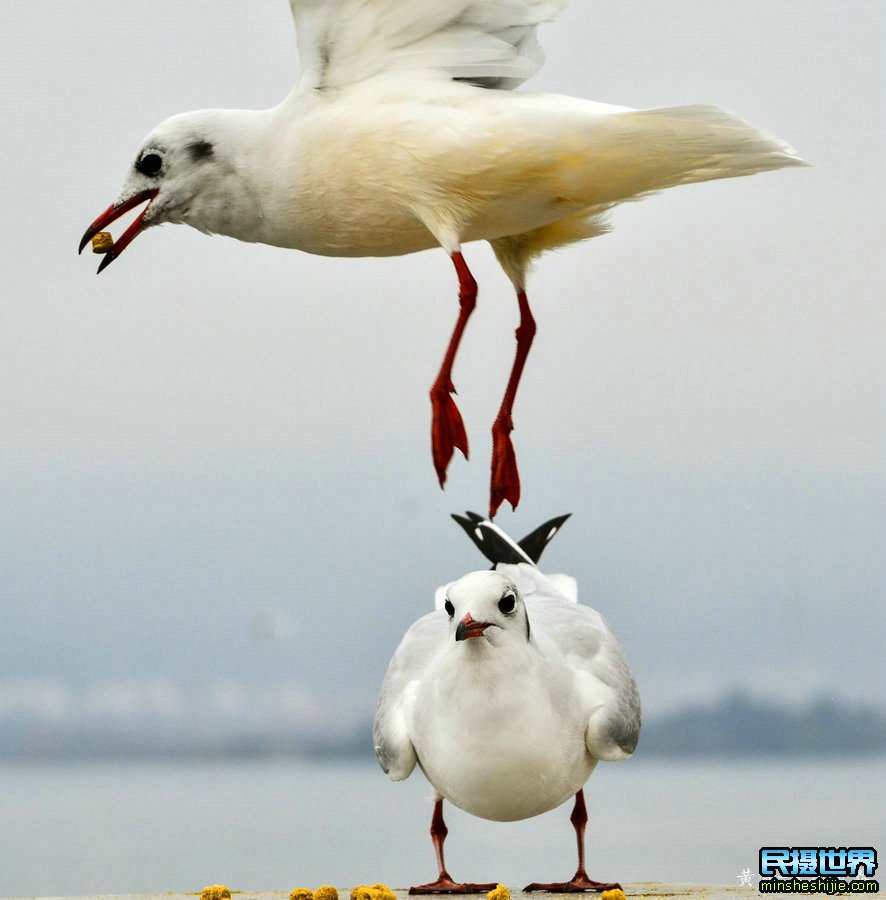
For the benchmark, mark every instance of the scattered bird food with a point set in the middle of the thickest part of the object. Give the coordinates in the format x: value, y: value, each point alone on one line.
x: 372, y: 892
x: 500, y: 892
x: 301, y: 894
x: 215, y: 891
x: 326, y: 892
x: 614, y: 894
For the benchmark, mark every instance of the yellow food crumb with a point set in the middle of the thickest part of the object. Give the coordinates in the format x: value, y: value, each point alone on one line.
x: 500, y: 892
x: 301, y: 894
x: 326, y: 892
x: 372, y: 892
x: 614, y: 894
x: 103, y: 242
x: 215, y: 892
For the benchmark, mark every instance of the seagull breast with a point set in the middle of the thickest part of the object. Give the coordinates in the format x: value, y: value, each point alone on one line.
x: 500, y: 734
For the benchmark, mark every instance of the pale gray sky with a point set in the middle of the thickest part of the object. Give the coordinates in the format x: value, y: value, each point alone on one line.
x: 211, y: 429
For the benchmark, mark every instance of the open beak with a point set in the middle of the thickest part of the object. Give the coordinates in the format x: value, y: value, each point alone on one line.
x: 468, y: 628
x: 111, y: 214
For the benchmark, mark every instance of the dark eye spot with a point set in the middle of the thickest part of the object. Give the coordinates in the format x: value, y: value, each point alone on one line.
x: 507, y: 603
x: 200, y: 150
x: 450, y: 609
x: 150, y: 164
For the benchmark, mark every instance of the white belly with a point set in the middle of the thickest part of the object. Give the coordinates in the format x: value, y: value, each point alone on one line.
x: 501, y: 758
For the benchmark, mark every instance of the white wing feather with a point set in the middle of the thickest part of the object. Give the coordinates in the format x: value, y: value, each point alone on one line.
x: 581, y: 637
x: 393, y: 746
x: 490, y: 42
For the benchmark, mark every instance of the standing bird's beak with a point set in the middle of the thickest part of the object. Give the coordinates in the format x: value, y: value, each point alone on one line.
x: 111, y: 214
x: 468, y: 628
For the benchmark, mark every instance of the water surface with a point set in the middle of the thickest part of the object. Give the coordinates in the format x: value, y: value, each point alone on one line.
x: 81, y: 828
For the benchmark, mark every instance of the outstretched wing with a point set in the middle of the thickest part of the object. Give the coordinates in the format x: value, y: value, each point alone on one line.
x: 393, y: 745
x: 492, y: 43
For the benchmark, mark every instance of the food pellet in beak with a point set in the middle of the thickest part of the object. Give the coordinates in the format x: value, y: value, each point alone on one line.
x: 103, y: 242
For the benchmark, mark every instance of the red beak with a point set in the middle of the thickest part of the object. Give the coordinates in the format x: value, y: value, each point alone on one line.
x: 111, y: 214
x: 468, y: 628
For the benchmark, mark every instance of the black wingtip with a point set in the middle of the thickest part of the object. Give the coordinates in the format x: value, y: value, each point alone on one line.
x: 499, y: 548
x: 489, y: 540
x: 467, y: 524
x: 476, y: 534
x: 533, y: 545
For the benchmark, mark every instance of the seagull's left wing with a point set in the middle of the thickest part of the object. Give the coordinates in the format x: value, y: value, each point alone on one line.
x: 492, y: 43
x: 579, y: 636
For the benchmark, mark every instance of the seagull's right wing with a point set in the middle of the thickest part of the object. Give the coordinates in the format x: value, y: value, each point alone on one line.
x: 390, y: 732
x: 492, y: 43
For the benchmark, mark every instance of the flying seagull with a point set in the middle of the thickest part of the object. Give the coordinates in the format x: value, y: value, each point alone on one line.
x: 404, y: 132
x: 507, y: 696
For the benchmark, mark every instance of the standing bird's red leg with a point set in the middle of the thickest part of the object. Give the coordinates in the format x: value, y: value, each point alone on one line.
x: 580, y: 881
x: 505, y: 481
x: 447, y: 428
x: 444, y: 884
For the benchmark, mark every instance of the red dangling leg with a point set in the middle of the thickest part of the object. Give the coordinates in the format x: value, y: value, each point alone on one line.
x: 580, y: 881
x: 505, y: 481
x: 447, y: 428
x: 444, y: 884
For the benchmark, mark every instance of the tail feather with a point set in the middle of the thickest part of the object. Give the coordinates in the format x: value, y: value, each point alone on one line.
x: 603, y: 156
x: 635, y: 153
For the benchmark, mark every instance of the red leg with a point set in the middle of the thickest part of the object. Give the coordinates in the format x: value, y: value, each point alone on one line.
x: 505, y: 482
x: 444, y: 884
x: 580, y: 881
x: 447, y: 428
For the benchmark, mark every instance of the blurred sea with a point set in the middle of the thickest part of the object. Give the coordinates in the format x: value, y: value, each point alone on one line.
x: 125, y: 827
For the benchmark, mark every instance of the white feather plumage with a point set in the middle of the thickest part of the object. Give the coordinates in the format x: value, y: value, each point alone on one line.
x: 342, y: 42
x: 379, y: 152
x: 509, y: 725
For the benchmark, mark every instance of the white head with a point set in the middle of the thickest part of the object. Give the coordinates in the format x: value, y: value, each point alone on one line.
x: 190, y: 169
x: 487, y: 607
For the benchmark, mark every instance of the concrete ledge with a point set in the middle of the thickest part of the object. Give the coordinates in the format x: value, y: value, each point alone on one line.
x: 645, y: 889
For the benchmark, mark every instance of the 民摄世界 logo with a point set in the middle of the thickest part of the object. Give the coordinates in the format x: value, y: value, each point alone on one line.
x: 818, y: 870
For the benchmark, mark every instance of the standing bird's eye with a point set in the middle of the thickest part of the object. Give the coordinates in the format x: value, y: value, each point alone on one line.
x: 507, y: 603
x: 450, y: 609
x: 150, y: 164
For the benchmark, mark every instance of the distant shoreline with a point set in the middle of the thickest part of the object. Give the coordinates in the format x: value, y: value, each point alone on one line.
x: 735, y: 727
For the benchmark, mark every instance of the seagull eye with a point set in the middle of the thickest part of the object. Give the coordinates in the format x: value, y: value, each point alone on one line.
x: 450, y: 609
x: 507, y: 603
x: 150, y: 164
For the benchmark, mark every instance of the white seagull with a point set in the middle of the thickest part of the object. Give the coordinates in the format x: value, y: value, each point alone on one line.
x: 404, y: 132
x: 507, y: 696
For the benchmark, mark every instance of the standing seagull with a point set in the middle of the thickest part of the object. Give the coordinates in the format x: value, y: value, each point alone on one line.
x: 403, y: 133
x: 507, y: 696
